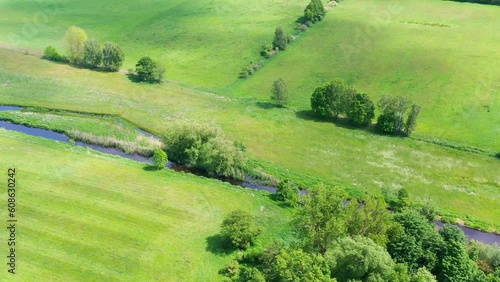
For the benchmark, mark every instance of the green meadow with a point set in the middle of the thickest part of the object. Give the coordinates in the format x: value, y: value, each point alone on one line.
x: 86, y: 216
x: 90, y: 216
x: 461, y: 183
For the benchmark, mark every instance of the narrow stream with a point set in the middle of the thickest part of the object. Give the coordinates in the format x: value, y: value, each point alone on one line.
x: 249, y: 182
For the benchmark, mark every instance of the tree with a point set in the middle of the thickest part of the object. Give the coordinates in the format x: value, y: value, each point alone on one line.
x: 332, y: 99
x: 314, y: 12
x: 416, y: 243
x: 149, y: 70
x: 411, y: 122
x: 279, y: 92
x: 92, y: 56
x: 299, y: 266
x: 393, y: 114
x: 361, y: 110
x: 455, y: 265
x: 288, y: 193
x: 279, y: 40
x: 112, y: 56
x: 360, y: 259
x: 160, y: 158
x: 370, y: 219
x: 250, y: 274
x: 239, y: 229
x: 75, y: 41
x: 321, y: 218
x: 423, y: 275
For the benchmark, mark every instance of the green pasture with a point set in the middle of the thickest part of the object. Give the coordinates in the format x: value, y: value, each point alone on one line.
x: 86, y: 216
x: 201, y: 42
x: 442, y: 55
x: 458, y: 182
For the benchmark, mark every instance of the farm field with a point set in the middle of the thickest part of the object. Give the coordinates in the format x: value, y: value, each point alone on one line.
x: 93, y: 217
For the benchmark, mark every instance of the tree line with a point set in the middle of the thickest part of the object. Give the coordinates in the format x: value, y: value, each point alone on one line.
x: 87, y: 52
x: 357, y: 241
x: 313, y: 13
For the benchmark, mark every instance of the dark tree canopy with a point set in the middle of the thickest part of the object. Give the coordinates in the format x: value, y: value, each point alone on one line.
x: 112, y: 57
x: 314, y: 12
x: 394, y: 110
x: 361, y: 109
x: 149, y: 71
x: 332, y: 99
x: 288, y: 193
x: 239, y: 228
x: 92, y: 57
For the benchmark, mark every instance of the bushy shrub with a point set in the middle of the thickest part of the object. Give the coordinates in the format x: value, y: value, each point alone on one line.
x: 205, y: 148
x: 50, y: 53
x: 160, y: 158
x: 149, y: 71
x: 239, y: 229
x: 268, y: 51
x: 250, y: 69
x: 314, y: 12
x: 288, y: 193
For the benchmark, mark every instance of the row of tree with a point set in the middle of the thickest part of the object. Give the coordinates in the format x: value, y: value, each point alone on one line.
x: 337, y: 98
x: 87, y: 52
x: 339, y: 240
x: 313, y: 13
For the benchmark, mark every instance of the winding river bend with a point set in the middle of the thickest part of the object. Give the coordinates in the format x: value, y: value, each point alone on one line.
x: 250, y: 183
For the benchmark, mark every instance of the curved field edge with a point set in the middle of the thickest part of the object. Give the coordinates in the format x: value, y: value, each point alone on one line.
x: 78, y: 220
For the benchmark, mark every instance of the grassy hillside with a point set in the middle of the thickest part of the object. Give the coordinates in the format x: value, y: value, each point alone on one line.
x: 85, y: 216
x: 201, y: 42
x: 459, y: 182
x: 443, y: 55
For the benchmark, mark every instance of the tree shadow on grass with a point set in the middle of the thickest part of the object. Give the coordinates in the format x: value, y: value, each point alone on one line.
x: 340, y: 122
x: 266, y: 105
x: 217, y: 244
x: 134, y: 78
x: 150, y: 168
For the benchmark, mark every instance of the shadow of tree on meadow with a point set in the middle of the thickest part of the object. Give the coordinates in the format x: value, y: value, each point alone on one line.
x: 217, y: 244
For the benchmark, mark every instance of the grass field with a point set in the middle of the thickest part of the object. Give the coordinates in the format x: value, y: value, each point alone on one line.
x: 201, y: 42
x: 458, y: 182
x: 91, y: 216
x: 86, y: 216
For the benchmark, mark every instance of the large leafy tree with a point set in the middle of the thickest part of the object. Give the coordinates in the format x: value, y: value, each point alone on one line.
x: 314, y: 12
x: 361, y: 259
x: 112, y: 56
x: 394, y: 110
x: 370, y: 219
x: 239, y: 229
x: 297, y: 265
x: 455, y: 265
x: 92, y: 57
x: 149, y: 71
x: 361, y: 110
x: 75, y: 42
x: 321, y: 218
x: 279, y: 40
x: 416, y: 243
x: 332, y: 99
